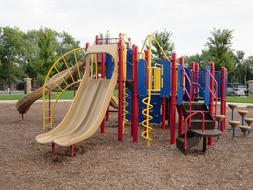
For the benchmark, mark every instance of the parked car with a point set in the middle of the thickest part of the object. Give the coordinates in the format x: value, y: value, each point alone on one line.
x: 230, y: 90
x: 239, y: 92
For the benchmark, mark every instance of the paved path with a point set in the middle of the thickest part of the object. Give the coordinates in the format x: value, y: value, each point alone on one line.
x: 70, y: 100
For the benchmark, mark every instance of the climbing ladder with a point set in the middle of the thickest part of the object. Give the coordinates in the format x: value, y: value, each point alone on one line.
x: 199, y: 117
x: 194, y: 130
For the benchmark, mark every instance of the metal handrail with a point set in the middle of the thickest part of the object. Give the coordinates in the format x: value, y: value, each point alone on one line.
x: 187, y: 125
x: 214, y: 94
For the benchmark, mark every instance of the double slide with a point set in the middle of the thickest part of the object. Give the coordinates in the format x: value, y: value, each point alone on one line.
x: 90, y: 104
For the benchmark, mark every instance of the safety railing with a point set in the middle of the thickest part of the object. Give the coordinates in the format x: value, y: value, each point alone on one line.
x: 189, y: 95
x: 66, y: 72
x: 188, y: 125
x: 215, y: 94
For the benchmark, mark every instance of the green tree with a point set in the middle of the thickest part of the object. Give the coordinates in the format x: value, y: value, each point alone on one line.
x: 12, y: 54
x: 219, y: 49
x: 164, y: 39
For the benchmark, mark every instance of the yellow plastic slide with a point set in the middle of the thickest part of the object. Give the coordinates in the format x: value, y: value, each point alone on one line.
x: 89, y: 106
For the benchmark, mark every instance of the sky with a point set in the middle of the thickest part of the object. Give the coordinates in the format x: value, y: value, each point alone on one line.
x: 190, y: 21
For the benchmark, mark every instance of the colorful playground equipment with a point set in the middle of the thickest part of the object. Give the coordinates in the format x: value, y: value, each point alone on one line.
x: 149, y: 92
x: 236, y: 124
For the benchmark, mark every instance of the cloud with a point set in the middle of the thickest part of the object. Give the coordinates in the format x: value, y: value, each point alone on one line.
x: 191, y: 21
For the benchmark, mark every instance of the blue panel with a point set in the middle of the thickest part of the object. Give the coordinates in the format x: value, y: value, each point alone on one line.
x: 141, y: 107
x: 129, y: 64
x: 165, y: 89
x: 109, y: 66
x: 218, y: 79
x: 180, y: 87
x: 156, y: 110
x: 142, y: 78
x: 201, y: 83
x: 207, y: 83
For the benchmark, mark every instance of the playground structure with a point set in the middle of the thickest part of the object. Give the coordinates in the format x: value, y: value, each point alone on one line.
x: 148, y: 93
x: 236, y: 124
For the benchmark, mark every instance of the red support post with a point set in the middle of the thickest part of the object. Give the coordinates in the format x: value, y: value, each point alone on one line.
x: 120, y: 89
x: 173, y: 100
x: 180, y: 109
x: 223, y: 97
x: 107, y: 112
x: 74, y: 90
x: 132, y: 120
x: 102, y: 127
x: 211, y: 103
x: 53, y: 150
x: 163, y: 112
x: 71, y: 151
x: 135, y: 96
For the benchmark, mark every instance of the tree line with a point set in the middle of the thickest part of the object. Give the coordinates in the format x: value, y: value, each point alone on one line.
x: 31, y: 54
x: 218, y: 49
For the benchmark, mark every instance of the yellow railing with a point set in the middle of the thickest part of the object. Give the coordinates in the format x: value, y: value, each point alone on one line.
x: 53, y: 81
x: 146, y: 134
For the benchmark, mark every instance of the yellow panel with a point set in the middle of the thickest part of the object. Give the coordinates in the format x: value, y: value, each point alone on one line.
x: 157, y: 79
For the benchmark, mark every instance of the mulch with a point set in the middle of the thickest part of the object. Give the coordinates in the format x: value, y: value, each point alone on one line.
x: 102, y: 162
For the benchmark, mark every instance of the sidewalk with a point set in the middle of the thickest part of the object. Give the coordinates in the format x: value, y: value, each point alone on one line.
x: 242, y: 105
x: 38, y: 101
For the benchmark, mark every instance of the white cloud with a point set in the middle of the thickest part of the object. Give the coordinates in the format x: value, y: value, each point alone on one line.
x: 190, y: 20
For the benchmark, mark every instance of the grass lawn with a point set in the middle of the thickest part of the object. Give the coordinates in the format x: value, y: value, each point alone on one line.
x: 69, y: 94
x: 240, y: 99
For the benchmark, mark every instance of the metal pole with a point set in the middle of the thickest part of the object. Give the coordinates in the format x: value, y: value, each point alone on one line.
x: 49, y: 107
x: 132, y: 104
x: 102, y: 128
x: 135, y: 96
x: 223, y: 98
x: 180, y: 110
x: 163, y: 112
x: 211, y: 103
x: 173, y: 100
x: 120, y: 89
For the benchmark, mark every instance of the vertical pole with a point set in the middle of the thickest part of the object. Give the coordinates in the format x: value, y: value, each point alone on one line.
x: 120, y: 89
x: 163, y: 112
x: 102, y: 127
x: 49, y: 107
x: 146, y: 57
x: 180, y: 109
x: 223, y: 98
x: 71, y: 151
x: 135, y: 95
x: 86, y: 47
x: 53, y: 150
x: 74, y: 90
x: 97, y: 56
x: 22, y: 114
x: 211, y: 103
x: 197, y: 78
x: 107, y: 112
x: 132, y: 111
x: 193, y: 80
x: 173, y: 101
